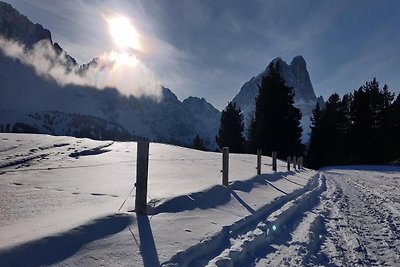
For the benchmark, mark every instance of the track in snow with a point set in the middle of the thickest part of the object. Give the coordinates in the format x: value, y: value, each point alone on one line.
x: 341, y: 218
x: 363, y: 220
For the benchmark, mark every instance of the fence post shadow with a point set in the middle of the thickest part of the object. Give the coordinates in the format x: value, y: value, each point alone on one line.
x: 148, y: 248
x: 241, y: 201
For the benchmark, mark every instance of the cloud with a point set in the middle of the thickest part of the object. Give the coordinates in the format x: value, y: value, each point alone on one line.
x: 122, y: 71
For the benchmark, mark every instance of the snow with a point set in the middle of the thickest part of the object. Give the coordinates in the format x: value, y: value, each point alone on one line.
x: 69, y: 201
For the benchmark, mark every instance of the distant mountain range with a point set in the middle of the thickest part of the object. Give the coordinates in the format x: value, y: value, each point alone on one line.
x: 34, y: 103
x: 30, y: 100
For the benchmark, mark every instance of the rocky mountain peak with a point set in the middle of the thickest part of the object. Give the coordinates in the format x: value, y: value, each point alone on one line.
x: 298, y: 62
x: 296, y: 76
x: 14, y: 25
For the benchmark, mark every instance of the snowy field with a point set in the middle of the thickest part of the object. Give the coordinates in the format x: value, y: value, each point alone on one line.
x: 66, y: 201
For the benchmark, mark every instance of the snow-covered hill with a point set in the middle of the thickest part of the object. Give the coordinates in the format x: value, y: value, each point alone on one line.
x: 27, y: 90
x: 296, y: 76
x: 68, y: 201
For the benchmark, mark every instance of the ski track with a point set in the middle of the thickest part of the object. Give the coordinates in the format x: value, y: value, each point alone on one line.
x: 338, y: 219
x: 240, y: 243
x: 365, y: 224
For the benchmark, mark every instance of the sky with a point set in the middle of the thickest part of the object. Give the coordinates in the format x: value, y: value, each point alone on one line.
x: 211, y: 48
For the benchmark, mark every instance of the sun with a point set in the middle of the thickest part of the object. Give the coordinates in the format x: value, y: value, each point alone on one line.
x: 123, y: 32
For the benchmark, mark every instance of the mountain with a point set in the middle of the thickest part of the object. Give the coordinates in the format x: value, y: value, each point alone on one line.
x: 27, y: 99
x: 205, y: 113
x: 295, y: 75
x: 14, y: 25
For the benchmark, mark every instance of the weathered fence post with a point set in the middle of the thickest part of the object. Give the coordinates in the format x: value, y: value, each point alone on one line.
x: 142, y: 167
x: 258, y: 161
x: 274, y: 155
x: 225, y: 166
x: 288, y: 163
x: 294, y: 162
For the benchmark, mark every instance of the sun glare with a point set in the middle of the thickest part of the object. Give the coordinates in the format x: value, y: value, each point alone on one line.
x: 123, y: 32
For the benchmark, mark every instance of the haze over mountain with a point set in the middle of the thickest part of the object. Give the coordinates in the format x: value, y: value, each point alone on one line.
x: 40, y: 103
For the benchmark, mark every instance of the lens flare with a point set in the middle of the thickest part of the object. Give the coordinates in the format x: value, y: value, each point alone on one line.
x: 123, y: 32
x: 274, y: 228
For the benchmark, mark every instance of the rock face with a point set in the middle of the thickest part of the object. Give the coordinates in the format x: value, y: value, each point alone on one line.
x: 296, y: 76
x: 27, y: 100
x: 14, y: 25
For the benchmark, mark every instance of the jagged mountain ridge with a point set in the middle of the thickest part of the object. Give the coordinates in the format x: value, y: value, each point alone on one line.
x: 168, y: 120
x: 295, y: 75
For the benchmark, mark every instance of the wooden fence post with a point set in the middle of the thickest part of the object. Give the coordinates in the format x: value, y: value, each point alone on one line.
x: 142, y: 167
x: 274, y: 155
x: 258, y: 161
x: 294, y: 162
x: 288, y: 163
x: 225, y: 166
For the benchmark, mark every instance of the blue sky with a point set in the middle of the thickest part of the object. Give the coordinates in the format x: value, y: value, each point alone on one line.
x: 211, y: 48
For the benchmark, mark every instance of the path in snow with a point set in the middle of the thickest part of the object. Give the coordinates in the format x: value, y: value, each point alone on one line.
x: 363, y: 217
x: 343, y: 217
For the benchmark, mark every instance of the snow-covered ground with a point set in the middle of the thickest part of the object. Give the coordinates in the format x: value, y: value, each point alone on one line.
x: 68, y: 201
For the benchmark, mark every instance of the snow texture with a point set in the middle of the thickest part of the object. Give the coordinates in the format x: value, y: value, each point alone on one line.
x: 68, y: 201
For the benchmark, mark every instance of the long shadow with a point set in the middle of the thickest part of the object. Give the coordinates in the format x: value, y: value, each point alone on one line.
x: 301, y: 185
x: 216, y: 195
x: 148, y: 248
x: 212, y: 197
x: 53, y: 249
x: 263, y: 179
x: 241, y: 201
x: 280, y: 190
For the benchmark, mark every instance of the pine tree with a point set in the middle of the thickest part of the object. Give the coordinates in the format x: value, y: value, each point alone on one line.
x: 362, y: 128
x: 231, y: 129
x: 395, y: 139
x: 370, y: 124
x: 386, y: 138
x: 198, y: 143
x: 315, y: 147
x: 276, y: 125
x: 328, y: 130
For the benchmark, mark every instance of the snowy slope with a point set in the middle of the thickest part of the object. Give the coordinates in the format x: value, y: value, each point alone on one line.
x: 295, y: 75
x: 68, y: 201
x: 59, y: 192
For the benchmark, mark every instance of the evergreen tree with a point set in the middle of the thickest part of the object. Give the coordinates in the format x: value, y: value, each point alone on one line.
x: 363, y: 128
x: 395, y: 134
x: 198, y: 143
x: 315, y: 147
x: 371, y: 124
x: 276, y: 125
x: 386, y: 137
x: 328, y: 130
x: 231, y: 129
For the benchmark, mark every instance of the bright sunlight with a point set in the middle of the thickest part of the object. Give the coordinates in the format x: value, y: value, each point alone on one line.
x: 123, y: 32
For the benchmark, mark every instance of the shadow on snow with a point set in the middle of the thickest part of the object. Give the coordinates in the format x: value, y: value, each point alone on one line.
x: 53, y: 249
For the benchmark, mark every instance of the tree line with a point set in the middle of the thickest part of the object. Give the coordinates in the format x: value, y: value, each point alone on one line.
x: 362, y: 127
